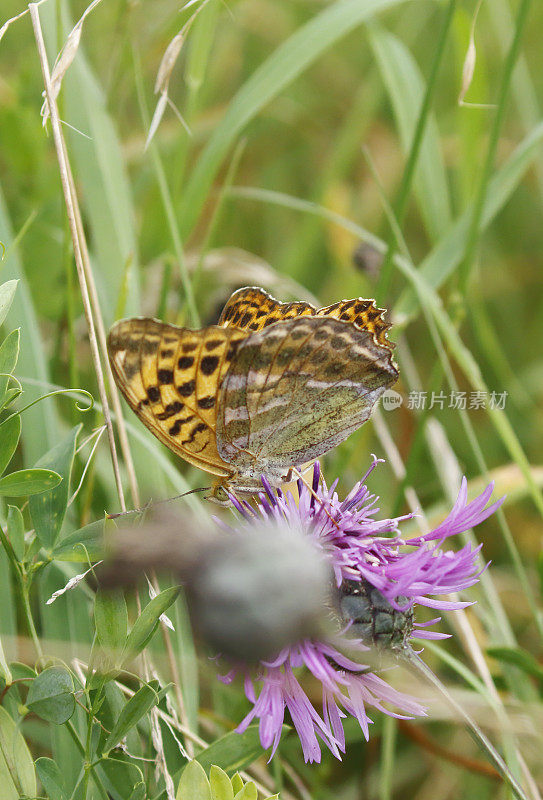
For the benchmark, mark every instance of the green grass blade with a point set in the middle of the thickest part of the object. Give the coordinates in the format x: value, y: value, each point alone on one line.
x: 32, y: 359
x: 100, y: 172
x: 445, y: 258
x: 285, y: 64
x: 165, y: 193
x: 523, y: 90
x: 466, y: 361
x: 474, y: 231
x: 405, y: 86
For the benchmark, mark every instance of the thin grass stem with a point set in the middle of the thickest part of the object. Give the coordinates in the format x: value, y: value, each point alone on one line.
x: 386, y: 767
x: 176, y: 678
x: 24, y: 584
x: 76, y: 740
x: 14, y: 244
x: 420, y: 667
x: 217, y: 211
x: 115, y: 399
x: 167, y: 201
x: 480, y: 197
x: 71, y: 202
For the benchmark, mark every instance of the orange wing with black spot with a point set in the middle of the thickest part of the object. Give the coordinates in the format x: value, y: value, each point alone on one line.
x: 362, y: 313
x: 252, y: 309
x: 171, y: 378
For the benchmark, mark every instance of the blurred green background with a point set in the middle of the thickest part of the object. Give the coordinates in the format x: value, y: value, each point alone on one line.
x: 298, y: 130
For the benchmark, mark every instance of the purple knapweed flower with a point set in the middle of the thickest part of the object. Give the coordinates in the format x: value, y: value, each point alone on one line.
x: 367, y: 552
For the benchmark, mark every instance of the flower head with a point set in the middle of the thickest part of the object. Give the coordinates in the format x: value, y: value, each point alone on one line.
x: 380, y: 579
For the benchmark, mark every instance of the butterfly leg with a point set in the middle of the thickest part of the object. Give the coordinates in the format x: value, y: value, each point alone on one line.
x: 308, y: 486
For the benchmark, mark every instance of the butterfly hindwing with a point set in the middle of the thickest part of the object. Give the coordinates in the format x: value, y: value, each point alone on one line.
x: 296, y: 389
x: 170, y: 377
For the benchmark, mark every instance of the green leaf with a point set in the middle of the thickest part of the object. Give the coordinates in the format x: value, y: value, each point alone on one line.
x: 48, y: 510
x: 138, y: 705
x: 51, y: 695
x: 405, y: 86
x: 16, y: 531
x: 51, y: 778
x: 248, y: 792
x: 100, y: 677
x: 111, y: 620
x: 82, y: 545
x: 17, y: 776
x: 10, y: 396
x: 284, y: 65
x: 5, y: 672
x: 9, y: 439
x: 237, y: 783
x: 220, y: 783
x: 194, y: 784
x: 139, y: 792
x: 7, y: 293
x: 123, y: 777
x: 146, y: 624
x: 518, y: 658
x: 33, y: 359
x: 235, y: 751
x: 28, y: 482
x: 9, y: 353
x: 22, y: 672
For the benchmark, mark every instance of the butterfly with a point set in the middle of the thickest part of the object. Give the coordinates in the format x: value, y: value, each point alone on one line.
x: 270, y: 387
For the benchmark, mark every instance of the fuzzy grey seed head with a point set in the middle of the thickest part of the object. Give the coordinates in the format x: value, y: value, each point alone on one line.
x: 255, y: 592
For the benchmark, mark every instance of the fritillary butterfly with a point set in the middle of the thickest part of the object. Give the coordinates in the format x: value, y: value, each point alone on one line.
x: 272, y: 386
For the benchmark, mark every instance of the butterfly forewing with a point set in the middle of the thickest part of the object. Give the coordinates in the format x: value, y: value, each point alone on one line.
x: 253, y: 309
x: 297, y: 388
x: 362, y: 313
x: 171, y: 376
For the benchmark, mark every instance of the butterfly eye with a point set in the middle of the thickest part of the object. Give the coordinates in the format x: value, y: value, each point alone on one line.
x: 219, y: 495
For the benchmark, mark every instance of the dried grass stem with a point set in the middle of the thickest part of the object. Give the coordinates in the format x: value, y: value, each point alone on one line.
x: 70, y: 200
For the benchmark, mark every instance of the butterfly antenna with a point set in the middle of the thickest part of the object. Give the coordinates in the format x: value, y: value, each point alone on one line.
x: 315, y: 495
x: 151, y: 504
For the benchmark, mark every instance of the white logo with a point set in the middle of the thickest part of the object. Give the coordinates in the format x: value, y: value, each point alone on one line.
x: 391, y: 400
